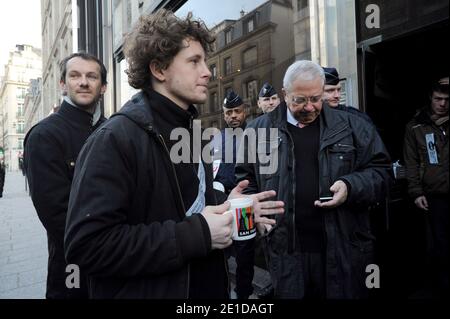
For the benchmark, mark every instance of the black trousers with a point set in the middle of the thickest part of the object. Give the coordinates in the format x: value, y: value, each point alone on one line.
x: 245, y: 260
x: 2, y: 180
x: 438, y: 215
x: 314, y: 275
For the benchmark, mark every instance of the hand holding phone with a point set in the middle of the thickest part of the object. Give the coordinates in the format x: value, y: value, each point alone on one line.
x: 325, y: 199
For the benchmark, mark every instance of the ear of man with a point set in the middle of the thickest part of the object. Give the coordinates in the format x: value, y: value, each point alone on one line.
x: 156, y: 71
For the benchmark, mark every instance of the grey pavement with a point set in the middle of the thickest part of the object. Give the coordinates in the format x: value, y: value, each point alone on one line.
x: 23, y: 243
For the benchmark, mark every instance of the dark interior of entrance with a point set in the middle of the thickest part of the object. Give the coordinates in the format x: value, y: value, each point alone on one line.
x: 398, y: 75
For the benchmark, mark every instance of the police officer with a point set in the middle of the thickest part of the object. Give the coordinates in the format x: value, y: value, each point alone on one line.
x: 234, y: 113
x: 332, y: 93
x: 268, y: 98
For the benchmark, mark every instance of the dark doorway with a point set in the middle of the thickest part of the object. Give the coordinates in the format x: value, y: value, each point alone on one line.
x: 397, y: 78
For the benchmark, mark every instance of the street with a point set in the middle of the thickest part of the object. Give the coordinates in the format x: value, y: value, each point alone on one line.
x: 23, y: 243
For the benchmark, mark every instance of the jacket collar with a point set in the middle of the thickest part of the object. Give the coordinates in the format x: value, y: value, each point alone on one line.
x: 75, y: 116
x: 142, y: 106
x: 96, y: 116
x: 170, y: 112
x: 328, y: 117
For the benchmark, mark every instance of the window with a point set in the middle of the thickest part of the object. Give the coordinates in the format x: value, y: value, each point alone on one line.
x: 227, y: 66
x: 250, y: 57
x: 21, y: 92
x: 228, y: 36
x: 213, y: 69
x: 20, y: 143
x: 20, y: 129
x: 20, y: 110
x: 252, y: 91
x: 301, y: 4
x: 250, y: 25
x: 213, y: 102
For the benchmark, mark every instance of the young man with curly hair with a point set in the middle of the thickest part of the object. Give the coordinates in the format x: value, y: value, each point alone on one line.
x: 139, y: 224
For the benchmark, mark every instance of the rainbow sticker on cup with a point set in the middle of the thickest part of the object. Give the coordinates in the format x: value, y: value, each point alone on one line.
x: 243, y: 218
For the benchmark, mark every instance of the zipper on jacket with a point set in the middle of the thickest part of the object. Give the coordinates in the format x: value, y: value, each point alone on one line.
x: 173, y: 171
x: 293, y: 230
x: 161, y: 139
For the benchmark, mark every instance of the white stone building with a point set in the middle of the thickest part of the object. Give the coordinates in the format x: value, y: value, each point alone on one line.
x: 23, y: 65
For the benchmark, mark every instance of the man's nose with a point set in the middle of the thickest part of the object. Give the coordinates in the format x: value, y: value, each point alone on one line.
x: 309, y: 106
x: 206, y: 70
x: 83, y: 81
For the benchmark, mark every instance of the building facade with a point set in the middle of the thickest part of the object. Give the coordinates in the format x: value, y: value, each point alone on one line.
x: 118, y: 17
x: 24, y: 64
x: 254, y: 49
x: 302, y: 30
x: 333, y: 42
x: 57, y: 43
x: 33, y: 106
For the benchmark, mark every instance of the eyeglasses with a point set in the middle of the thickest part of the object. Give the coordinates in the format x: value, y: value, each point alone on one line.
x: 303, y: 100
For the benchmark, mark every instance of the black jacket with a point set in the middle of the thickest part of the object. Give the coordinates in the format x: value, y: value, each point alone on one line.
x: 126, y: 224
x: 350, y: 150
x: 2, y: 178
x: 355, y: 111
x: 51, y: 150
x: 425, y: 178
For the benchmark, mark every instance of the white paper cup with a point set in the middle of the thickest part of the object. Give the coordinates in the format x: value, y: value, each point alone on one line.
x: 243, y: 218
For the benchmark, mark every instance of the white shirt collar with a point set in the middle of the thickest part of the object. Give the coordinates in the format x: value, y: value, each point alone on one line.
x: 290, y: 117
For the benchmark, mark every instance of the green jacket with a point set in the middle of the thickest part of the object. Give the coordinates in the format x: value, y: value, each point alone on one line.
x: 425, y: 175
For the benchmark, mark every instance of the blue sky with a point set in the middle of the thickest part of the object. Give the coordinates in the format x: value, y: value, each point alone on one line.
x: 214, y: 11
x: 20, y: 23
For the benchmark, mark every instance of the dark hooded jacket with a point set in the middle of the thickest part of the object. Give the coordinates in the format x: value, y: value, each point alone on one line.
x: 425, y: 178
x: 350, y: 150
x: 127, y: 225
x: 51, y: 150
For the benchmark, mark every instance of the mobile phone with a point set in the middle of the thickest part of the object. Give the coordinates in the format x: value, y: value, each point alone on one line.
x: 325, y: 199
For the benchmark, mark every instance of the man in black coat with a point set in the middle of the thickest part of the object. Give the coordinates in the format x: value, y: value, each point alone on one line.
x: 2, y: 177
x: 319, y: 248
x: 143, y: 219
x: 51, y: 150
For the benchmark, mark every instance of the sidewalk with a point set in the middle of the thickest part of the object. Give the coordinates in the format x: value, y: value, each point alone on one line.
x: 23, y: 243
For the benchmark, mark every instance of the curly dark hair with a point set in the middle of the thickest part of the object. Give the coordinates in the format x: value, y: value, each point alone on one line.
x: 157, y: 38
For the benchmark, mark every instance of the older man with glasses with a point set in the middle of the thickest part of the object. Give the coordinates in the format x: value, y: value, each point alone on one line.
x: 332, y: 167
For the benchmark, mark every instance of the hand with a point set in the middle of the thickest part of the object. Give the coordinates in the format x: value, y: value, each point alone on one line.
x: 421, y: 202
x: 220, y: 225
x: 261, y: 208
x: 340, y: 193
